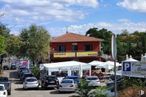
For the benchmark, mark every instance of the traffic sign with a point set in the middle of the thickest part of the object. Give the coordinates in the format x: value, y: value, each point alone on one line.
x: 126, y: 66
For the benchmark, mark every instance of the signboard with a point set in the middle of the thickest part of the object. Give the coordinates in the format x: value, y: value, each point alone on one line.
x: 24, y: 63
x: 72, y: 54
x: 114, y: 47
x: 84, y: 54
x: 134, y: 69
x: 126, y: 66
x: 63, y: 55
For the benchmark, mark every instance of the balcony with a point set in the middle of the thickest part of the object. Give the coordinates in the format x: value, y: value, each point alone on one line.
x: 75, y: 54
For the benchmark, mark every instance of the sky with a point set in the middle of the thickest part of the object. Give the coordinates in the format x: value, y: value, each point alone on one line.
x: 77, y: 16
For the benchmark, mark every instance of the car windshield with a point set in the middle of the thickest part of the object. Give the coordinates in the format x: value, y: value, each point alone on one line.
x: 3, y: 79
x: 51, y: 77
x: 92, y: 78
x: 25, y: 70
x: 28, y: 75
x: 31, y: 80
x: 76, y: 79
x: 67, y: 81
x: 1, y: 88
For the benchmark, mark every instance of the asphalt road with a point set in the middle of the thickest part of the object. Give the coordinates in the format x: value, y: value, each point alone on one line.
x: 17, y: 91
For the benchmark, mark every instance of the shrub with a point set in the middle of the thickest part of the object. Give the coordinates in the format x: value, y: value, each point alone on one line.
x: 36, y: 71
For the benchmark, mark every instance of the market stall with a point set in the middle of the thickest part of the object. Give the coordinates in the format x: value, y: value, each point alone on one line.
x: 70, y: 67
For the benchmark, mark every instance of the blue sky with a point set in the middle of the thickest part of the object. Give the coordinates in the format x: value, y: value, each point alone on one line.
x: 76, y: 16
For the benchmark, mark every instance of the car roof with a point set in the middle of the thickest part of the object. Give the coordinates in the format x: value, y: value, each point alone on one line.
x: 31, y: 78
x: 72, y: 76
x: 68, y: 79
x: 2, y: 85
x: 27, y: 73
x: 91, y: 77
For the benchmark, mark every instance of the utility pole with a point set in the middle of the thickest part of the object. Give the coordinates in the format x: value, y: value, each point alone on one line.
x: 114, y: 57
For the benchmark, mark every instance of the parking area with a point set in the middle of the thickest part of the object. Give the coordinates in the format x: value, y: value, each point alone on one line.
x: 17, y: 90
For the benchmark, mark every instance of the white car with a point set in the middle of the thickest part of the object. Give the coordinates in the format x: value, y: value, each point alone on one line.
x: 3, y: 91
x: 93, y: 81
x: 30, y: 82
x: 67, y: 85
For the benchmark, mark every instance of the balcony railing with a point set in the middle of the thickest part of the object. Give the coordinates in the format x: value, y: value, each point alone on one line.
x: 74, y: 54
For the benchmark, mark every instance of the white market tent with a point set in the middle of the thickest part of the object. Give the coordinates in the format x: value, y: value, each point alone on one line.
x: 110, y: 64
x: 107, y: 65
x: 66, y: 66
x: 98, y: 64
x: 130, y: 60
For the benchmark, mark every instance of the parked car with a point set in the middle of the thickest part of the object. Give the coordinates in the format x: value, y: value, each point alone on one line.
x: 30, y: 82
x: 25, y: 75
x: 67, y: 85
x: 3, y: 91
x: 5, y: 81
x: 20, y: 70
x: 6, y: 67
x: 49, y: 82
x: 93, y: 81
x: 23, y: 71
x: 75, y: 78
x: 13, y: 67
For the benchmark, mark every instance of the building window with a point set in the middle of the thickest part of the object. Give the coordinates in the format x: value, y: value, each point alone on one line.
x: 61, y: 48
x: 88, y: 47
x: 74, y: 48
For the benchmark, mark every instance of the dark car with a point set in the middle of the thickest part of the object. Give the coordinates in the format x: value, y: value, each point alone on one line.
x: 7, y: 84
x: 22, y: 70
x: 25, y: 75
x: 49, y: 82
x: 5, y: 67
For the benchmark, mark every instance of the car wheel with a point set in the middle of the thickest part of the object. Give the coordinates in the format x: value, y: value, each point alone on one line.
x: 9, y: 92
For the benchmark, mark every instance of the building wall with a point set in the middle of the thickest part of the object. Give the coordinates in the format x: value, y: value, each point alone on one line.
x: 96, y: 46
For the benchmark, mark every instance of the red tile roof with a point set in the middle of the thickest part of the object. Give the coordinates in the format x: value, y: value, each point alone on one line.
x: 72, y: 37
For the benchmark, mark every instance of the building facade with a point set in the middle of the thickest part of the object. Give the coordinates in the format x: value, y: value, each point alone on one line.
x: 71, y: 46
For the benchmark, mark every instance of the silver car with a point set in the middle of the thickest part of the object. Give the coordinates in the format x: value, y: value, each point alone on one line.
x: 93, y: 81
x: 30, y: 82
x: 67, y: 85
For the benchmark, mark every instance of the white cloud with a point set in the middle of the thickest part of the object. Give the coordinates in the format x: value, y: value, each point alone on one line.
x: 45, y: 10
x: 136, y: 5
x: 117, y: 27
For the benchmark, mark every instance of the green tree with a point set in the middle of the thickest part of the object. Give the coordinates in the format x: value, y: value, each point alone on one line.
x: 103, y: 34
x: 36, y: 71
x: 2, y: 44
x: 83, y: 89
x: 2, y: 50
x: 4, y: 31
x: 35, y: 43
x: 13, y: 45
x: 131, y: 44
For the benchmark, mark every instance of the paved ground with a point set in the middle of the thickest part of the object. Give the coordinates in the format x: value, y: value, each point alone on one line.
x: 17, y: 90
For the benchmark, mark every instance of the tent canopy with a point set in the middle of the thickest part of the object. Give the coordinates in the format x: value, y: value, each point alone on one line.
x: 98, y: 64
x: 67, y: 65
x: 131, y: 60
x: 110, y: 64
x: 106, y: 65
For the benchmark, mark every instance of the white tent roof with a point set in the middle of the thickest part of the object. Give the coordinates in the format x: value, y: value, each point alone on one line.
x: 65, y: 65
x: 97, y: 63
x: 106, y: 65
x: 131, y: 60
x: 110, y: 64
